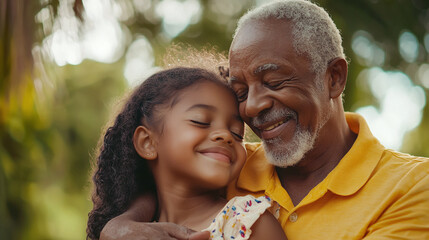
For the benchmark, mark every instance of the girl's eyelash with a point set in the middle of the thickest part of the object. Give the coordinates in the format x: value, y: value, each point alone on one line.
x: 208, y: 124
x: 237, y: 135
x: 200, y: 123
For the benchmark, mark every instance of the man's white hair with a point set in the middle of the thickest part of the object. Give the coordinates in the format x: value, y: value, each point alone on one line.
x: 314, y: 33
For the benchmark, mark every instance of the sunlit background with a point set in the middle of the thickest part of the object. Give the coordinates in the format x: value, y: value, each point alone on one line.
x: 64, y: 64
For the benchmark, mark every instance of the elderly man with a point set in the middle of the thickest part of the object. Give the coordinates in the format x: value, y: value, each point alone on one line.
x: 329, y: 176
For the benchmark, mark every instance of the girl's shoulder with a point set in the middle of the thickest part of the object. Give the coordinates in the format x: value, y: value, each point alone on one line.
x: 267, y: 227
x: 238, y: 216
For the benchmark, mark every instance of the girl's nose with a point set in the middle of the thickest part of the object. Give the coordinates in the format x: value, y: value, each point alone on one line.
x: 222, y: 135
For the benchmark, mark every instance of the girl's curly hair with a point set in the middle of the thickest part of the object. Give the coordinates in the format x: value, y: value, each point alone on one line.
x: 121, y: 174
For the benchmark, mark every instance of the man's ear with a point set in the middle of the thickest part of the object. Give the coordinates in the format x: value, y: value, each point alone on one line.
x: 337, y: 77
x: 144, y: 143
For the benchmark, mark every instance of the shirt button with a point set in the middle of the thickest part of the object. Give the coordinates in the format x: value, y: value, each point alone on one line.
x: 293, y: 217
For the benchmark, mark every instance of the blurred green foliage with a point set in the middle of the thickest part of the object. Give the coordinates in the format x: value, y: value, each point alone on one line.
x: 51, y: 116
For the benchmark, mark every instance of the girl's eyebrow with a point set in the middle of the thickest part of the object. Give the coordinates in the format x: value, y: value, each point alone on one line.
x: 203, y: 106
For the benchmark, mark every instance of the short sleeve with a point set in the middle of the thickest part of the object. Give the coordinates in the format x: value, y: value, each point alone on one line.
x: 237, y: 217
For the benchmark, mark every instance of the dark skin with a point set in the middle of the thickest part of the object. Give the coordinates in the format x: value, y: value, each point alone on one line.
x: 129, y: 226
x: 300, y: 179
x: 200, y: 132
x: 292, y: 85
x: 199, y: 152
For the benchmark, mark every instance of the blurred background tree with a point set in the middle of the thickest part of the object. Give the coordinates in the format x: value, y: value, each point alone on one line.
x: 64, y: 64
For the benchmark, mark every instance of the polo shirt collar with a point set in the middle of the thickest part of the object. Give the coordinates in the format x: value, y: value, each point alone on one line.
x: 258, y: 172
x: 355, y: 168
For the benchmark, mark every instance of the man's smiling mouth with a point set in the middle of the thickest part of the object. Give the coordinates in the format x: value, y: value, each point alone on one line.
x: 275, y: 125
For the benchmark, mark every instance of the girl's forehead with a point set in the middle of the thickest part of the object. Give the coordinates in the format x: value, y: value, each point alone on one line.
x: 206, y: 87
x: 208, y: 93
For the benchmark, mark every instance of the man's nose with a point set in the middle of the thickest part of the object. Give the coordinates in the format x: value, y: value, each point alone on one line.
x: 222, y: 135
x: 257, y: 101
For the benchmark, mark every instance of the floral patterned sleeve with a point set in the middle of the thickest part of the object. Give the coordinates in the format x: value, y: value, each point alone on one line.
x: 237, y: 217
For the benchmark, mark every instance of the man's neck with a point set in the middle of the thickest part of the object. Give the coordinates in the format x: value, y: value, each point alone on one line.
x: 329, y: 149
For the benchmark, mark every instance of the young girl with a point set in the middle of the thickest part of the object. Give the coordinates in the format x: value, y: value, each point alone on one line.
x: 179, y: 137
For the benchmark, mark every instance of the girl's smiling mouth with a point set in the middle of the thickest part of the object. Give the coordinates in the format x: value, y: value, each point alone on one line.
x: 218, y: 153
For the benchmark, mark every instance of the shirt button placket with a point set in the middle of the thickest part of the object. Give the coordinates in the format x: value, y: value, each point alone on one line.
x: 293, y: 217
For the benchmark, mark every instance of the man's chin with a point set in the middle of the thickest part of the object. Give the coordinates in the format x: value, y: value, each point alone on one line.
x: 285, y: 154
x: 282, y: 159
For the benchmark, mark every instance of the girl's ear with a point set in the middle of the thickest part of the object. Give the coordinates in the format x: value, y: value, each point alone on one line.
x: 144, y: 143
x: 337, y: 70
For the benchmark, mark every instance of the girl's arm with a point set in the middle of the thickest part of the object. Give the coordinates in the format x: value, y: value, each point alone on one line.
x: 134, y: 224
x: 267, y: 227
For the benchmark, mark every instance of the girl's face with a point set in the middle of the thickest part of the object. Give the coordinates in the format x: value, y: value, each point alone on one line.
x: 200, y: 143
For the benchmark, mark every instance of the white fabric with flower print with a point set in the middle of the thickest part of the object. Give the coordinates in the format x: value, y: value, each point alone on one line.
x: 237, y: 217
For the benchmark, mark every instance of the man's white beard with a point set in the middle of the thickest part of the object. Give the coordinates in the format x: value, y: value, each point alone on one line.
x: 285, y: 154
x: 282, y: 153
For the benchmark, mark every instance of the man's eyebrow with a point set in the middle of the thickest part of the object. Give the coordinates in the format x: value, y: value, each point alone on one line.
x: 232, y: 79
x: 268, y: 66
x: 202, y: 106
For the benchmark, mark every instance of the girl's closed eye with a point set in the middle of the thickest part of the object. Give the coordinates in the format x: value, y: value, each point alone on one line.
x: 237, y: 130
x: 239, y: 136
x: 235, y: 133
x: 201, y: 123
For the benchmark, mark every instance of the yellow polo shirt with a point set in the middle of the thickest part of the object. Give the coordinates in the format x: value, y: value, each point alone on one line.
x: 373, y: 193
